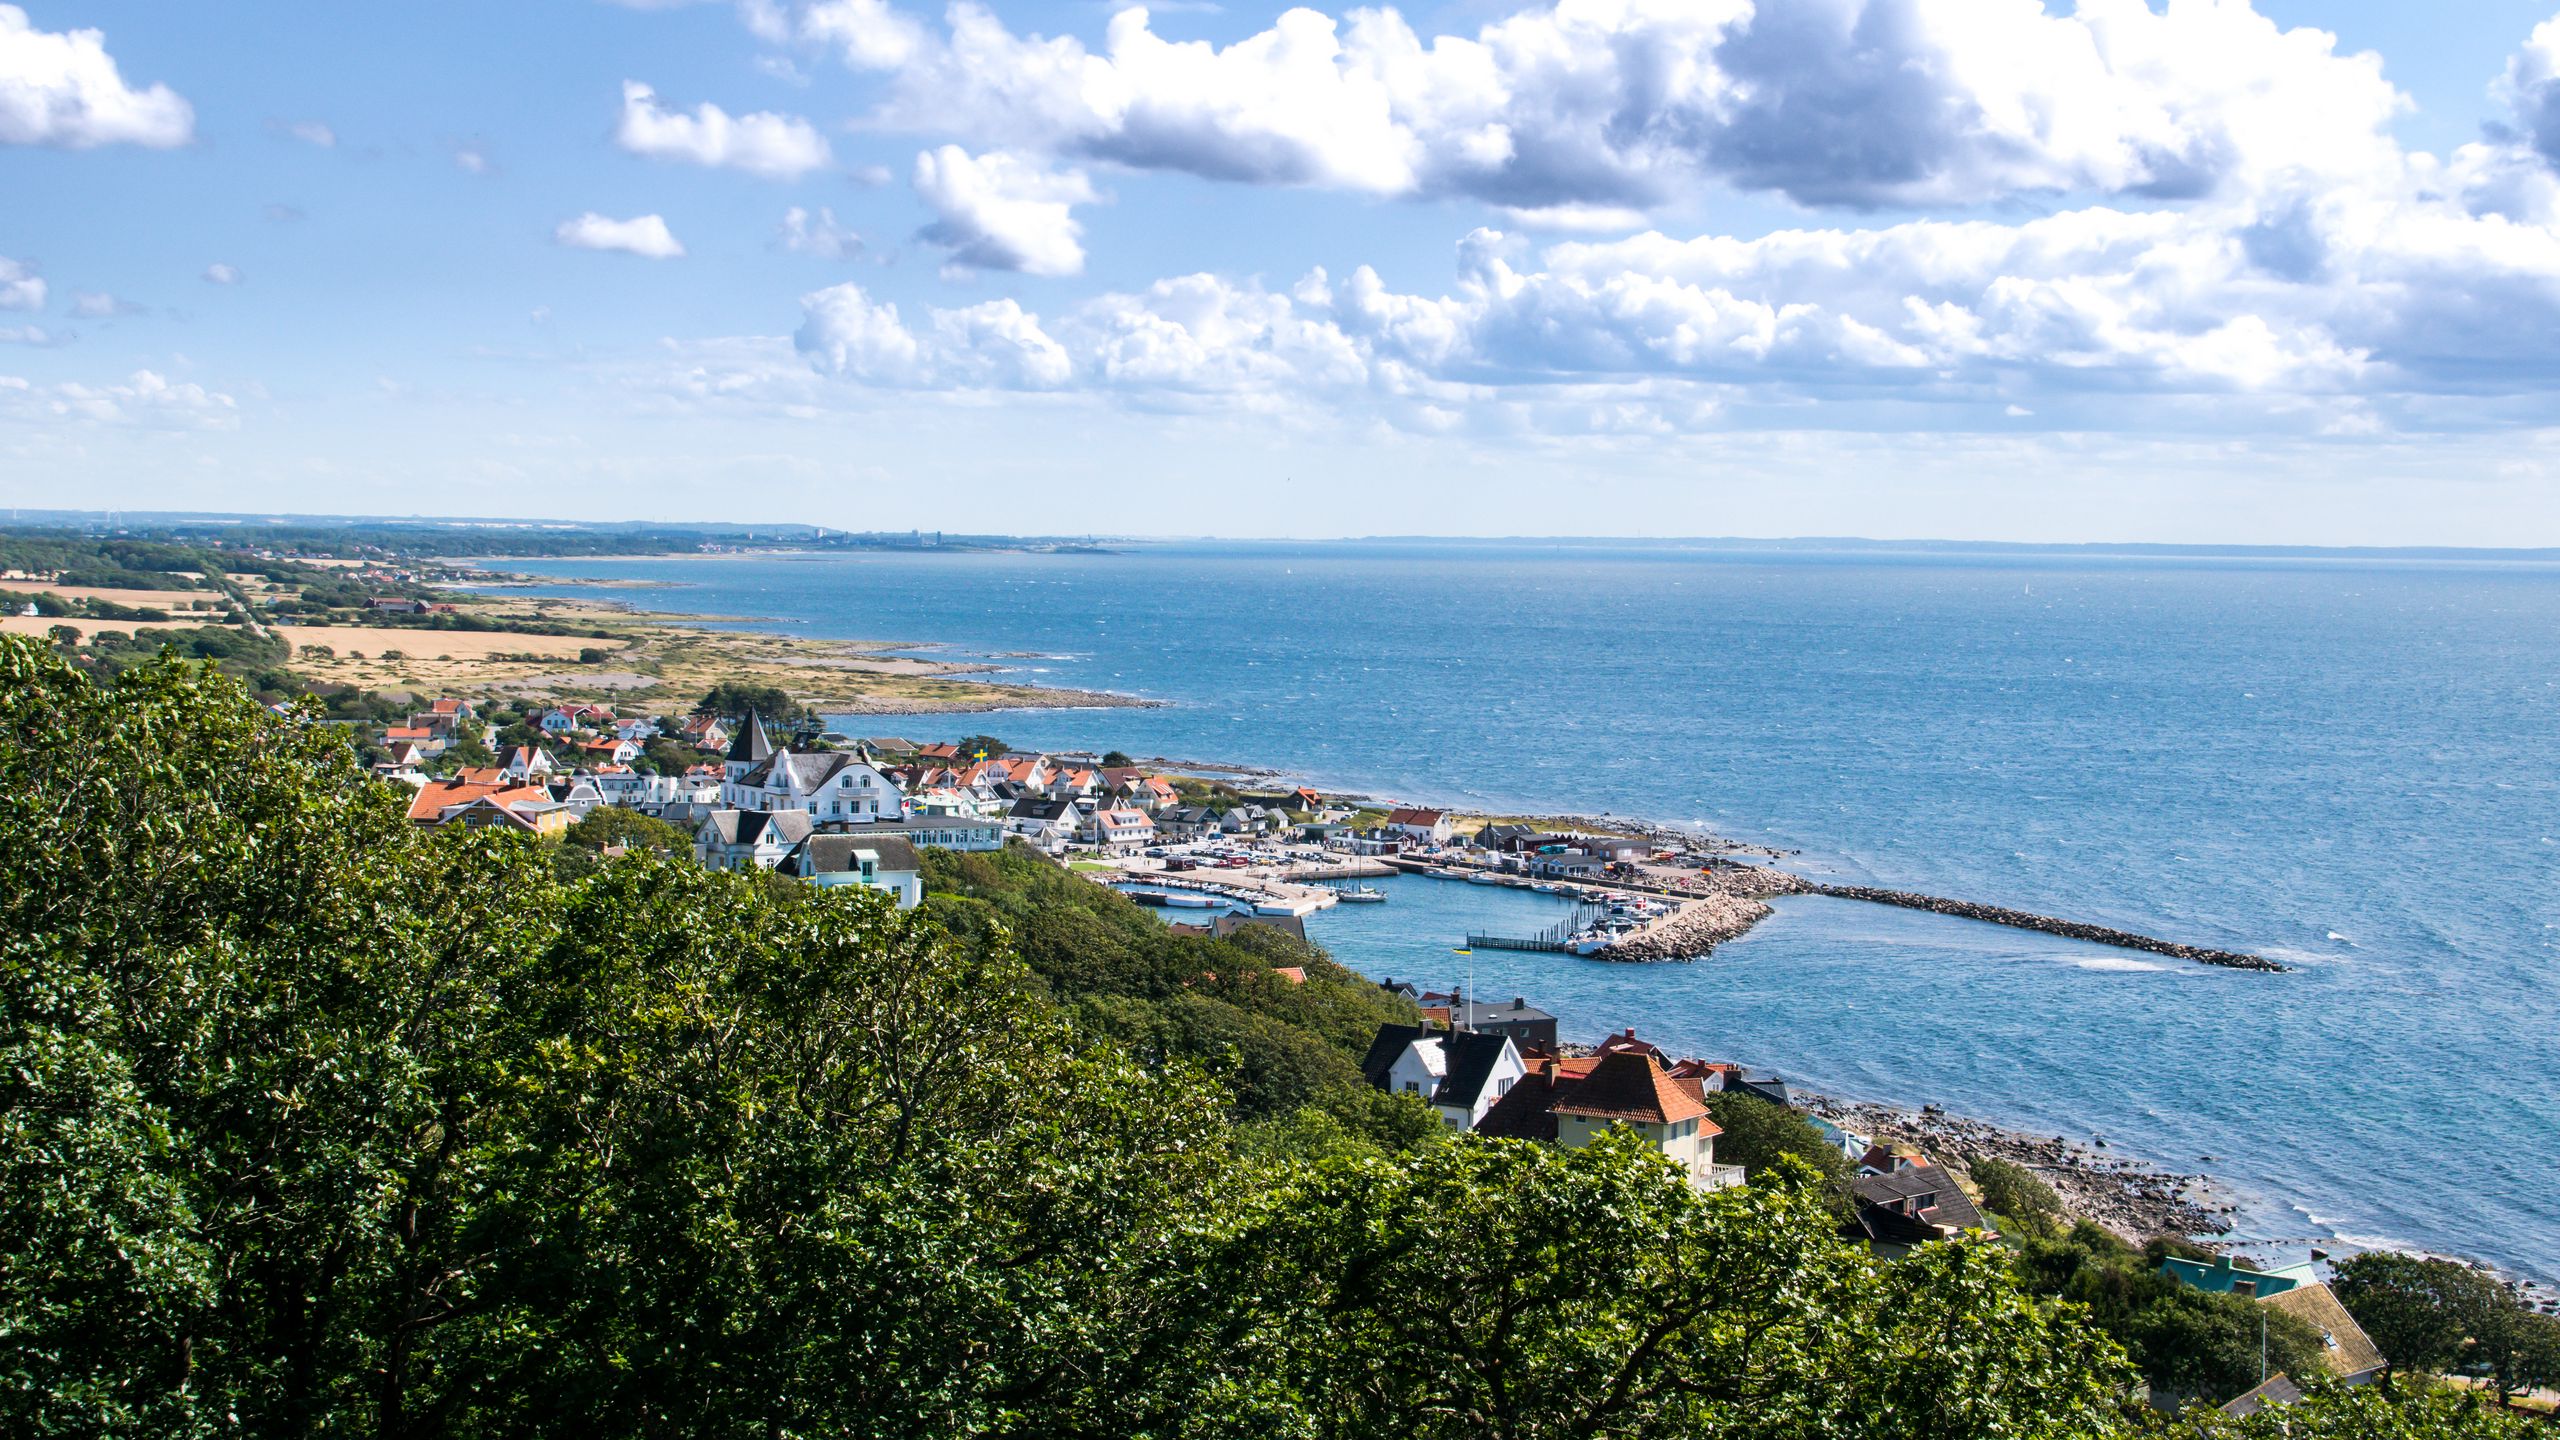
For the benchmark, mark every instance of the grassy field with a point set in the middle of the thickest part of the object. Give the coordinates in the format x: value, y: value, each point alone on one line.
x: 169, y: 600
x: 43, y: 624
x: 649, y: 664
x: 461, y: 645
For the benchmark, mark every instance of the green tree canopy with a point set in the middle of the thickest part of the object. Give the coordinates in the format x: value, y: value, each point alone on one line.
x: 1758, y: 1132
x: 314, y: 1122
x: 609, y: 825
x: 2015, y: 1194
x: 2420, y: 1311
x: 733, y: 699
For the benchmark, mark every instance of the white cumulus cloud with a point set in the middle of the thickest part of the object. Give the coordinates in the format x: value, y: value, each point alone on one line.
x: 1579, y: 111
x: 20, y: 287
x: 816, y: 233
x: 644, y: 235
x: 1001, y: 211
x: 64, y: 90
x: 776, y: 147
x: 144, y: 400
x: 2531, y: 88
x: 219, y: 273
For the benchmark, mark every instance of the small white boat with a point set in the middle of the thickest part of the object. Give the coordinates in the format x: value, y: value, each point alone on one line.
x: 1361, y: 895
x: 1193, y: 902
x: 1484, y: 877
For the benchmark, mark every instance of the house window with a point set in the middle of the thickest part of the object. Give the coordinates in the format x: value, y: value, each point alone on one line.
x: 2245, y: 1289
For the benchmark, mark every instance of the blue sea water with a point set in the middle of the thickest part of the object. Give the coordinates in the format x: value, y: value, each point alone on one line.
x: 2352, y: 764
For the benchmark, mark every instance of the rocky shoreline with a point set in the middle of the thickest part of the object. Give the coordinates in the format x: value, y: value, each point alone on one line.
x: 2136, y: 1200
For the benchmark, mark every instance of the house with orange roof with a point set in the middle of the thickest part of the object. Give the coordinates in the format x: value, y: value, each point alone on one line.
x: 705, y: 732
x: 544, y: 816
x: 1030, y: 771
x: 1636, y: 1092
x: 1574, y: 1100
x: 1119, y: 830
x: 443, y: 801
x: 1429, y: 827
x: 1073, y: 782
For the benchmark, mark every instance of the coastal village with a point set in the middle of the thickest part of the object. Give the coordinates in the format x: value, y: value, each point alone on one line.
x: 763, y: 786
x: 826, y: 808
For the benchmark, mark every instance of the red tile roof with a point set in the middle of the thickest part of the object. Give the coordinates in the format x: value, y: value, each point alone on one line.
x: 1633, y: 1087
x: 427, y: 807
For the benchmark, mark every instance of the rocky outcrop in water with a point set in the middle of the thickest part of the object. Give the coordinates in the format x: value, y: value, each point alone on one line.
x: 2046, y: 924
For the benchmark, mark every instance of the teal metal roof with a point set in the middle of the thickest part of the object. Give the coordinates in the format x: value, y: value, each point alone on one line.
x: 2224, y: 1276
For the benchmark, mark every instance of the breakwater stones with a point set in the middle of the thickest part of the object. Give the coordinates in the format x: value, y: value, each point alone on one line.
x: 2046, y: 924
x: 1694, y: 929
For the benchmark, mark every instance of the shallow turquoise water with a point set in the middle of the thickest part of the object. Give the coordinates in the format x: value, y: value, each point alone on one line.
x: 2353, y: 765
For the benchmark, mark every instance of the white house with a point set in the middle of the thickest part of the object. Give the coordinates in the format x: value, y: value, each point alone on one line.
x: 639, y: 728
x: 832, y: 786
x: 880, y: 862
x: 926, y: 832
x: 577, y: 794
x: 403, y: 760
x: 1462, y: 1073
x: 526, y: 762
x: 1427, y: 826
x: 705, y: 732
x: 738, y: 839
x: 1048, y: 824
x: 1633, y: 1090
x: 1120, y: 830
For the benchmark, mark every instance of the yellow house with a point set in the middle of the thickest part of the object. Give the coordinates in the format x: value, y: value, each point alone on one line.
x: 1633, y: 1090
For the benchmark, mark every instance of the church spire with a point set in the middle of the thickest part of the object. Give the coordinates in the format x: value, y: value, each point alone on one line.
x: 752, y: 746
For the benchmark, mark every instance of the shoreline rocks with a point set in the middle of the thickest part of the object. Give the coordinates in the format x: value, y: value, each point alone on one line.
x: 2133, y: 1198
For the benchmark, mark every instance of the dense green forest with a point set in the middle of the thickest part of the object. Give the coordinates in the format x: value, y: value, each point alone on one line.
x: 312, y: 1122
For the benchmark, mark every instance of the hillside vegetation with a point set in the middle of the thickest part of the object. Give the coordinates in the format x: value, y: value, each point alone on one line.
x: 314, y: 1123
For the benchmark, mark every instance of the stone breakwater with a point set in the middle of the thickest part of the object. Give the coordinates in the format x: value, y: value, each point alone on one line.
x: 1692, y: 930
x: 2046, y: 924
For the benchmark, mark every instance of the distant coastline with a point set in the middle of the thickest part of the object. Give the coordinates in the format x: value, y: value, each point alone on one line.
x: 2091, y: 1121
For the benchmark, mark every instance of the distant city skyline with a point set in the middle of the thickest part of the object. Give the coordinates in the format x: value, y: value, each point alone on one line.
x: 2191, y: 272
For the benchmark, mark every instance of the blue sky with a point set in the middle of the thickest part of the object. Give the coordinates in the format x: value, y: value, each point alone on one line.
x: 1970, y: 268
